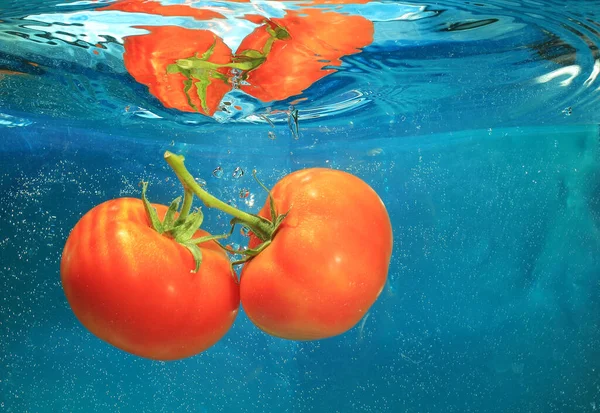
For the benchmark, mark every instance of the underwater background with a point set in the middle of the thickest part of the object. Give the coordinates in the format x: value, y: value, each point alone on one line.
x: 476, y: 123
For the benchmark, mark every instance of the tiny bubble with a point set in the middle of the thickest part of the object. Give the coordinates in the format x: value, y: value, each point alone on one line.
x: 238, y: 172
x: 245, y: 231
x: 218, y: 172
x: 234, y: 246
x: 249, y: 201
x: 244, y: 193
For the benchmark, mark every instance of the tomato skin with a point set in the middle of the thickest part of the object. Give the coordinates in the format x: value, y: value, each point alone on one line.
x: 133, y: 288
x: 147, y: 57
x: 328, y: 262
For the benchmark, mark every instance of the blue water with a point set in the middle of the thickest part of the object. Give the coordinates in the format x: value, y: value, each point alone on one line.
x: 493, y: 298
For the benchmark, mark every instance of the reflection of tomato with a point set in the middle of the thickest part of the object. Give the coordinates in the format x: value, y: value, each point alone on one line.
x: 134, y: 288
x: 327, y: 262
x: 316, y: 39
x: 154, y: 7
x: 148, y: 56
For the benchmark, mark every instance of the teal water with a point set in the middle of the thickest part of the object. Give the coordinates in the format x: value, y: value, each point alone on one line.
x: 493, y: 187
x: 491, y: 305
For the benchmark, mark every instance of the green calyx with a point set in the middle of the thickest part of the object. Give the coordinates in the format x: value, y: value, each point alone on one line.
x: 198, y: 71
x: 181, y: 228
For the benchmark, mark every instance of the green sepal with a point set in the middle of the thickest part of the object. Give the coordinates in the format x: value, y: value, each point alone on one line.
x: 151, y: 211
x: 279, y: 32
x: 200, y: 69
x: 196, y: 253
x: 173, y: 68
x: 192, y: 246
x: 182, y: 229
x: 187, y: 85
x: 170, y: 215
x: 183, y: 233
x: 271, y: 201
x: 202, y: 90
x: 279, y: 220
x: 210, y: 50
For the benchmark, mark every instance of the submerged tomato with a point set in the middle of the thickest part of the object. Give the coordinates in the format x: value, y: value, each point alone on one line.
x: 327, y: 263
x: 316, y: 40
x: 197, y: 84
x: 135, y: 289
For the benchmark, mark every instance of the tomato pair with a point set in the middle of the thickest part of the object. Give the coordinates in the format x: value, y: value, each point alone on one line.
x: 190, y: 70
x: 323, y: 265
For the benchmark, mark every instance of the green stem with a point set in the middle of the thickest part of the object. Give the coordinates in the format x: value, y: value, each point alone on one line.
x: 197, y: 64
x: 261, y: 227
x: 188, y: 198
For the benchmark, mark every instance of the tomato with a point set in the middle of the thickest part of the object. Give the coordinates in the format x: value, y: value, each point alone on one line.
x: 134, y: 288
x: 317, y: 39
x: 328, y: 261
x: 152, y: 59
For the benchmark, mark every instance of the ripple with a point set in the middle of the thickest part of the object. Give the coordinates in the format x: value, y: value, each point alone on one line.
x: 9, y: 121
x: 340, y: 104
x: 447, y: 65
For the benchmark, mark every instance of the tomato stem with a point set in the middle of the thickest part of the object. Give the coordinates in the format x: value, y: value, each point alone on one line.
x: 188, y: 198
x: 261, y: 227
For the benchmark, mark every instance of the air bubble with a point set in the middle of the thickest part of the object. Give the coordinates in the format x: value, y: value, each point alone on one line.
x: 272, y: 135
x: 234, y: 246
x: 249, y: 201
x: 218, y: 172
x: 244, y: 193
x: 238, y: 172
x: 245, y: 231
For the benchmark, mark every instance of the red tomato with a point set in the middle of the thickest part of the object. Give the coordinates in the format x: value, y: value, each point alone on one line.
x: 134, y: 288
x: 327, y: 263
x: 148, y: 56
x: 316, y: 39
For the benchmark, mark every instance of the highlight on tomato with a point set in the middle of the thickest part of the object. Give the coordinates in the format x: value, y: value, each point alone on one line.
x: 162, y: 290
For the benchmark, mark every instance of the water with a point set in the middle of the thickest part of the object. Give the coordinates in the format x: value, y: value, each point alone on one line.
x: 478, y: 125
